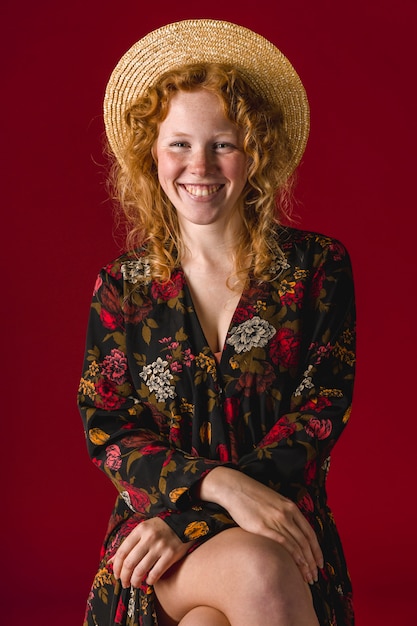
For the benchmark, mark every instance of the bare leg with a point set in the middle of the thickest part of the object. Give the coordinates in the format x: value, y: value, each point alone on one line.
x: 251, y: 580
x: 204, y: 616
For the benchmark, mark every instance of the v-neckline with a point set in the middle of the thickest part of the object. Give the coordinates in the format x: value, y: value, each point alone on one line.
x: 189, y: 297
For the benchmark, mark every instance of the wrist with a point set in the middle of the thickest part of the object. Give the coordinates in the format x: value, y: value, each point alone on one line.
x: 217, y: 485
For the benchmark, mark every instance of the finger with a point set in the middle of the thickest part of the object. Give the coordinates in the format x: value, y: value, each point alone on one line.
x: 123, y: 550
x: 301, y: 555
x: 300, y: 538
x: 135, y: 567
x: 311, y: 537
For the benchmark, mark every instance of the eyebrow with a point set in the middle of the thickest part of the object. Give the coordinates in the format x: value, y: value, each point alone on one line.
x: 178, y: 133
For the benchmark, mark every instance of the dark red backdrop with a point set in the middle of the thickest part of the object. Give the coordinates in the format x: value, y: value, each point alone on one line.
x: 357, y: 61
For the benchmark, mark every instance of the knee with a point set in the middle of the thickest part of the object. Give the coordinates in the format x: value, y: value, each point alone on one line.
x: 204, y: 616
x: 268, y: 569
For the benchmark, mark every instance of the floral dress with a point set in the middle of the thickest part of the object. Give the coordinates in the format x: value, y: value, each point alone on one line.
x: 160, y: 411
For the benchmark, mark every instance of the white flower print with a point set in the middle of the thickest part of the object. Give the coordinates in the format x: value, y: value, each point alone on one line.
x: 253, y: 333
x: 126, y: 497
x: 132, y: 603
x: 278, y: 265
x: 137, y: 270
x: 306, y: 383
x: 157, y: 377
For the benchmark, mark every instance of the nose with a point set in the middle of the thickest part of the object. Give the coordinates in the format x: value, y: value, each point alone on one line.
x: 201, y: 161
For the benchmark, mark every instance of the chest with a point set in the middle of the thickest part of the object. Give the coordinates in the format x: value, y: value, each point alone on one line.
x: 214, y: 303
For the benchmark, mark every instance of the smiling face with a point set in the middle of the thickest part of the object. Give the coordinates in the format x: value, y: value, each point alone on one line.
x: 201, y: 163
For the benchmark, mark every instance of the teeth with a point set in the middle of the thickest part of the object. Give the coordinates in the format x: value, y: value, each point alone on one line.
x: 202, y: 190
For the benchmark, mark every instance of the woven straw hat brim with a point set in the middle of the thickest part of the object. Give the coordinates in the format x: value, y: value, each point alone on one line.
x: 265, y: 68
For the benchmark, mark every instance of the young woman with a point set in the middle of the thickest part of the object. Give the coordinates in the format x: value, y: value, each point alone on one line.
x: 220, y: 348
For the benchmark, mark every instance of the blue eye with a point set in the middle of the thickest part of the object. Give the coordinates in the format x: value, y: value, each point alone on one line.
x: 222, y: 145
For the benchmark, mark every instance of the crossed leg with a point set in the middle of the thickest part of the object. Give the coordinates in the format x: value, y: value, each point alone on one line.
x: 235, y: 579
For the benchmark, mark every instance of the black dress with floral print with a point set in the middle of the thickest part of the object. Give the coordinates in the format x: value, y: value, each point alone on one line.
x: 160, y: 411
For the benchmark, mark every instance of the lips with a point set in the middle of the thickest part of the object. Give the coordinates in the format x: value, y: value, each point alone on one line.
x: 202, y: 190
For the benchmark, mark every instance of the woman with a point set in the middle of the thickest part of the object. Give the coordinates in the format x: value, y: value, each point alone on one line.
x: 220, y: 349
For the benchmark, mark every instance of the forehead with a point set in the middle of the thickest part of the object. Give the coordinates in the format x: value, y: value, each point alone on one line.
x: 201, y: 107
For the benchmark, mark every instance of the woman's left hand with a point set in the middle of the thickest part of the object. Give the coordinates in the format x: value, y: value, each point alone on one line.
x: 147, y: 553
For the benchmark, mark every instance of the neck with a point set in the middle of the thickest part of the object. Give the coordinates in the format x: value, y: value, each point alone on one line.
x: 212, y: 241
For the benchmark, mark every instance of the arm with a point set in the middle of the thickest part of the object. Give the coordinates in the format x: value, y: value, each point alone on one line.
x: 123, y: 433
x: 289, y: 456
x: 301, y: 439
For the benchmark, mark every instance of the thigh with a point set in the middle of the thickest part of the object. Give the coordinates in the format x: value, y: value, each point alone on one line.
x: 233, y: 572
x: 204, y: 616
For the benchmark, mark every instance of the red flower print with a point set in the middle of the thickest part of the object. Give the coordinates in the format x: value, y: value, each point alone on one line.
x: 110, y: 321
x: 317, y: 283
x: 121, y: 611
x: 316, y: 404
x: 338, y: 250
x: 113, y: 458
x: 152, y: 449
x: 293, y: 295
x: 231, y: 409
x: 113, y: 271
x: 284, y: 348
x: 134, y: 313
x: 110, y: 313
x: 223, y: 453
x: 114, y: 366
x: 264, y: 381
x: 310, y: 472
x: 282, y: 429
x: 98, y: 284
x: 107, y: 397
x: 167, y: 291
x: 320, y: 428
x: 243, y: 313
x: 136, y: 441
x: 251, y: 382
x: 138, y: 497
x: 188, y: 357
x: 306, y: 504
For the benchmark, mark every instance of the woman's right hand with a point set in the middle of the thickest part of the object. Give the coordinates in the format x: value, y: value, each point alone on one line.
x: 262, y: 511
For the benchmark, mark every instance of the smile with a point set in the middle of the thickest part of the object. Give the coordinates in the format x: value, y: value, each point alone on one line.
x: 202, y: 190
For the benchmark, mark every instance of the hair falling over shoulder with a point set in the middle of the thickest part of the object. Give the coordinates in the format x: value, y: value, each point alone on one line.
x: 149, y: 216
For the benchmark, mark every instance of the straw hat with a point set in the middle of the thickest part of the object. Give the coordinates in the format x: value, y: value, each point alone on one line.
x: 265, y: 68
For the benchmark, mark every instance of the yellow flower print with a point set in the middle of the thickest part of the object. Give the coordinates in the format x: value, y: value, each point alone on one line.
x: 260, y: 306
x: 93, y: 369
x: 286, y: 287
x: 331, y: 393
x: 176, y: 494
x: 194, y: 530
x: 206, y: 363
x: 103, y: 577
x: 344, y: 355
x: 87, y: 388
x: 347, y: 415
x: 205, y: 432
x: 186, y: 407
x: 299, y: 274
x: 98, y: 436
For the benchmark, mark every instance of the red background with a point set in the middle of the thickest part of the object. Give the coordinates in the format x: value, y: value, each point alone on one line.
x: 357, y: 61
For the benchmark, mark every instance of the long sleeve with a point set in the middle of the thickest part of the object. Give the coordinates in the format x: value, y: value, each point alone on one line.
x: 124, y: 433
x: 301, y: 439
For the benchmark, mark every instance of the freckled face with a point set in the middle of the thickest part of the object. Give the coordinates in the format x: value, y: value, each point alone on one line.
x: 201, y: 164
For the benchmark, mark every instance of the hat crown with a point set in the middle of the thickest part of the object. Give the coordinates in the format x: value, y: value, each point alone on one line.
x: 187, y: 42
